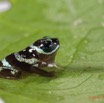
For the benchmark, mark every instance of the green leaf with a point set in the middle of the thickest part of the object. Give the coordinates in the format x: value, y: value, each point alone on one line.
x: 79, y: 25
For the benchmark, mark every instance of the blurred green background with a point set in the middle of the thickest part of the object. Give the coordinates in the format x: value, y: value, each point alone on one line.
x: 79, y: 25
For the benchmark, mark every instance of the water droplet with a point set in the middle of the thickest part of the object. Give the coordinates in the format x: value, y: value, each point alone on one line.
x: 101, y: 76
x: 1, y: 101
x: 78, y: 22
x: 83, y: 57
x: 50, y: 92
x: 71, y: 57
x: 102, y: 24
x: 4, y: 6
x: 100, y: 1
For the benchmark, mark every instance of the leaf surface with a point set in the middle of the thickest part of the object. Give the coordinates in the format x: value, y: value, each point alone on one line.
x: 79, y: 25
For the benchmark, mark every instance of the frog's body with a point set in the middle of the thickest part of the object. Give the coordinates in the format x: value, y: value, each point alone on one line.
x: 32, y: 59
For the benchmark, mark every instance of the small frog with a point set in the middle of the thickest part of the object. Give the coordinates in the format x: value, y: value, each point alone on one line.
x: 32, y: 59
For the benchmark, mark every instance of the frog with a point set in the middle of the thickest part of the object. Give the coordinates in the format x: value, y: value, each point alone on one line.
x: 32, y: 59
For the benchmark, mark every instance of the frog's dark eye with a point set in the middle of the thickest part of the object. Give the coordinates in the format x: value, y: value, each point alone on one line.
x: 47, y: 46
x: 47, y: 43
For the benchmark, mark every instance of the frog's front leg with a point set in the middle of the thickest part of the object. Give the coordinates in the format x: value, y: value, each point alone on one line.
x: 45, y: 64
x: 39, y: 71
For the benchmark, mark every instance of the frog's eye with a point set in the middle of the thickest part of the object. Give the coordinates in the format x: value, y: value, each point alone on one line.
x: 47, y: 46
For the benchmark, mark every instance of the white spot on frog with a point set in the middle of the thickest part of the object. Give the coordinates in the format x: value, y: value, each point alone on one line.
x: 13, y: 72
x: 36, y: 65
x: 5, y: 63
x: 30, y: 50
x: 4, y: 6
x: 50, y: 65
x: 1, y: 68
x: 43, y: 62
x: 34, y: 55
x: 41, y: 45
x: 53, y: 65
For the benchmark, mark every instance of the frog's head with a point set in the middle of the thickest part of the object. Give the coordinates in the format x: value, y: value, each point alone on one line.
x: 47, y: 48
x: 47, y: 45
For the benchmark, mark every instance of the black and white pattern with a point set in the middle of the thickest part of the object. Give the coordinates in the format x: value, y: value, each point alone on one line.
x: 31, y: 59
